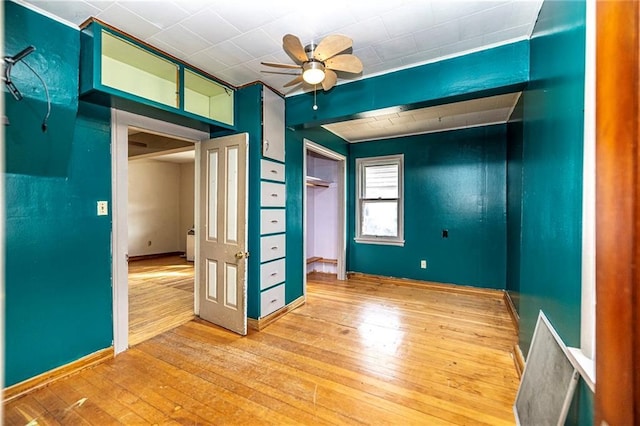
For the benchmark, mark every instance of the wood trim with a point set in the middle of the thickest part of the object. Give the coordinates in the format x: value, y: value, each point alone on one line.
x: 453, y: 288
x: 260, y: 324
x: 518, y: 360
x: 513, y: 313
x: 155, y: 256
x: 516, y: 353
x: 617, y: 397
x: 19, y: 389
x: 317, y: 275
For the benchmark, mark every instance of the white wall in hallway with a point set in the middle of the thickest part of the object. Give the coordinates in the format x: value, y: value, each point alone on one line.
x: 154, y: 207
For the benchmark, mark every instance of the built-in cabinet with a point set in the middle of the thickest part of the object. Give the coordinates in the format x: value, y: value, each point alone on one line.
x: 272, y: 205
x: 272, y: 125
x: 120, y: 71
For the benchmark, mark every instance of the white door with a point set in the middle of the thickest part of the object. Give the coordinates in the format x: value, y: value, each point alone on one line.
x: 222, y: 232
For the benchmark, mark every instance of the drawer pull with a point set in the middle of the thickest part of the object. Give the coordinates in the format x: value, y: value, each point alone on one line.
x: 275, y: 172
x: 274, y: 248
x: 273, y: 274
x: 274, y: 221
x: 274, y: 195
x: 274, y: 301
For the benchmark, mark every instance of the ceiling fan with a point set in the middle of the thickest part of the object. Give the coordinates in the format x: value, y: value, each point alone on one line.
x: 320, y: 62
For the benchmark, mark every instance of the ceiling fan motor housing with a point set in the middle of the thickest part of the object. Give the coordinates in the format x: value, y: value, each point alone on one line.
x: 313, y: 71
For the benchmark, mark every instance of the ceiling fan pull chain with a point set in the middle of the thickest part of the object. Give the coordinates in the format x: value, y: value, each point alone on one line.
x: 315, y: 106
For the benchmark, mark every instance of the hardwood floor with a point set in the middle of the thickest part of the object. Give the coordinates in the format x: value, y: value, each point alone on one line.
x: 363, y: 351
x: 160, y: 296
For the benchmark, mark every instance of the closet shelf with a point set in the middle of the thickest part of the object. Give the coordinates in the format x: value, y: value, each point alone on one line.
x: 315, y: 259
x: 317, y: 182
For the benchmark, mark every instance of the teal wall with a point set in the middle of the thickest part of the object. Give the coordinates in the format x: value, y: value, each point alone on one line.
x: 498, y: 70
x: 295, y: 186
x: 452, y: 180
x: 553, y: 126
x: 515, y: 139
x: 58, y: 252
x: 552, y: 173
x: 249, y: 119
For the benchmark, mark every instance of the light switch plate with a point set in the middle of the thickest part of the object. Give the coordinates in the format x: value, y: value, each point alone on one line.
x: 103, y: 208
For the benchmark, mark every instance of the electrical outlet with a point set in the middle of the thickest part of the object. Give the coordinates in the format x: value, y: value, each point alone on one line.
x: 103, y: 208
x: 423, y: 264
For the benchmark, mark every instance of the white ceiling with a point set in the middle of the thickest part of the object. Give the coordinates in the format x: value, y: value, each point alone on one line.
x: 229, y: 39
x: 459, y: 115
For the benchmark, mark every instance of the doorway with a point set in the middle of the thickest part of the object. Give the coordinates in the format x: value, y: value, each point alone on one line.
x: 324, y: 212
x: 160, y: 216
x: 123, y: 125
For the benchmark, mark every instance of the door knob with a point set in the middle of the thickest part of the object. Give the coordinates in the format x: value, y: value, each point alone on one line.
x: 242, y: 255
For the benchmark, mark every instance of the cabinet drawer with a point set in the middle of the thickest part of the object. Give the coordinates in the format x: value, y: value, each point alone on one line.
x: 272, y: 221
x: 272, y: 194
x: 272, y: 247
x: 271, y: 170
x: 272, y: 273
x: 271, y: 300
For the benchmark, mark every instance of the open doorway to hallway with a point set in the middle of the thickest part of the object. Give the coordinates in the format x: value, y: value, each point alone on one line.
x: 160, y: 218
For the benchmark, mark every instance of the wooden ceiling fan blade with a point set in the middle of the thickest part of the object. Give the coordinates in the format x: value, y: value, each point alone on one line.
x: 330, y: 79
x: 295, y: 81
x: 331, y: 46
x: 345, y: 63
x: 292, y: 45
x: 272, y: 64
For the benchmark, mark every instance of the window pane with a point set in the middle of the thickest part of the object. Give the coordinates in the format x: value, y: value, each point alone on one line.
x: 380, y: 218
x: 381, y: 181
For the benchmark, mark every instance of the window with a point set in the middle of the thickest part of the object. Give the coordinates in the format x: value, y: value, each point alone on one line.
x: 379, y: 207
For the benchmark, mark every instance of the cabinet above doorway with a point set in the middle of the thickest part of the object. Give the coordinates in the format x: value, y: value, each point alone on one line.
x: 120, y: 71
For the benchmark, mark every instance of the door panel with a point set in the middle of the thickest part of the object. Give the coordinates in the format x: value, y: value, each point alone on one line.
x: 223, y: 225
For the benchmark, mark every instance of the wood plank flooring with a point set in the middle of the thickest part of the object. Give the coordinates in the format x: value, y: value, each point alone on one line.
x: 363, y: 351
x: 160, y: 296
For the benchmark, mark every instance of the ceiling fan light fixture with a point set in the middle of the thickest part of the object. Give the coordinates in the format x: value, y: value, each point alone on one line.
x: 313, y: 72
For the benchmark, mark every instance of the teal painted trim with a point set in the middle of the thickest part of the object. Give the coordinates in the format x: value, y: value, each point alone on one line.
x: 502, y: 69
x: 453, y: 180
x: 294, y: 181
x: 181, y: 91
x: 87, y: 61
x: 515, y: 139
x: 248, y: 102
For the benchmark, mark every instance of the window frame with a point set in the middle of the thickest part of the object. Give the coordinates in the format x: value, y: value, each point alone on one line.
x: 361, y: 164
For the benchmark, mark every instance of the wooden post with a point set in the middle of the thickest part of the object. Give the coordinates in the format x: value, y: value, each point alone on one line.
x: 617, y: 398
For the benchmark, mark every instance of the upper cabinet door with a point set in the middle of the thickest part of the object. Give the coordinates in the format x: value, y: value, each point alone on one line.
x: 273, y: 125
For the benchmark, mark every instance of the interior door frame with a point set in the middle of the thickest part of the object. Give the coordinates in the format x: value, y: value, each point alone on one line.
x: 120, y: 123
x: 342, y: 206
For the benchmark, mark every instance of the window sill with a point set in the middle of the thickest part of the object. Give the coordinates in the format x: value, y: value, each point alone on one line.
x: 379, y: 241
x: 585, y: 366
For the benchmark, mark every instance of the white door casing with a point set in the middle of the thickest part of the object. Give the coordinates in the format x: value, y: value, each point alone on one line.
x: 342, y: 204
x: 120, y: 123
x: 221, y: 256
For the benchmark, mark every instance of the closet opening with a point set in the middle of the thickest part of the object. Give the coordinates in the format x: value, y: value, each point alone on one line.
x: 324, y: 212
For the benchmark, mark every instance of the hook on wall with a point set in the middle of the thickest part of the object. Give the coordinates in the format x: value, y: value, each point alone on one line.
x: 9, y: 62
